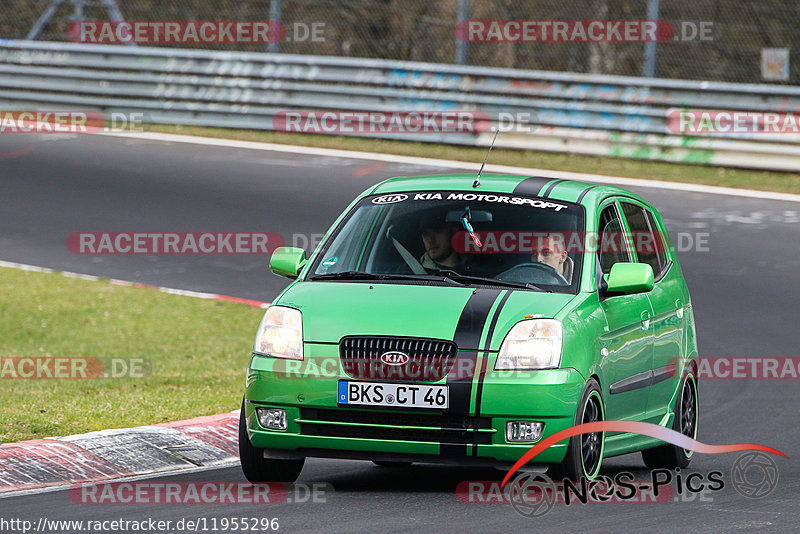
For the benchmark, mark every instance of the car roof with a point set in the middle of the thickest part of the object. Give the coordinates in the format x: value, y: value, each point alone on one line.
x: 553, y: 188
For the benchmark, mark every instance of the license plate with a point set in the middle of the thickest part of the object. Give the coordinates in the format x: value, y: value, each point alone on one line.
x: 399, y: 395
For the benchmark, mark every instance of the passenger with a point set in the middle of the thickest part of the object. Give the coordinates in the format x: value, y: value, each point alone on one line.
x: 551, y: 253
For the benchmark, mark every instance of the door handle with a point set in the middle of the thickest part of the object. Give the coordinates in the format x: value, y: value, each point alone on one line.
x: 645, y: 319
x: 679, y: 308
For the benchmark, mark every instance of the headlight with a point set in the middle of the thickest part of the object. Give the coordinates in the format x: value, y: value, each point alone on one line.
x: 280, y: 334
x: 532, y: 344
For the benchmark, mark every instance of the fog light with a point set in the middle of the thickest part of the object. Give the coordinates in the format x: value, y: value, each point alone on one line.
x: 272, y: 418
x: 524, y: 430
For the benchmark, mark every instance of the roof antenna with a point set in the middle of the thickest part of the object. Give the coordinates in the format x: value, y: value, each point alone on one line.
x: 477, y: 181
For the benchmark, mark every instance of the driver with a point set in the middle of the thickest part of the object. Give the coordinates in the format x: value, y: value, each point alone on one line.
x: 437, y: 236
x: 550, y: 252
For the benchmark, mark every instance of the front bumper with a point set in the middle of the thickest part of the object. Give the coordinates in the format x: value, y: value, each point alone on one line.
x: 317, y: 426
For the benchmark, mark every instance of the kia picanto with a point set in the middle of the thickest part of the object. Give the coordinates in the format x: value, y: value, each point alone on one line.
x: 446, y: 319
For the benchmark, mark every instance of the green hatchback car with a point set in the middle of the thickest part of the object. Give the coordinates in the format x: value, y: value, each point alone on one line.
x: 446, y: 319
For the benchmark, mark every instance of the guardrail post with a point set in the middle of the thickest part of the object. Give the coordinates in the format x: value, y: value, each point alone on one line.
x: 274, y: 16
x: 650, y: 47
x: 461, y: 46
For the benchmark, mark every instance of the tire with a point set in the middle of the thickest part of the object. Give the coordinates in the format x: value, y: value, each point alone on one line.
x: 686, y: 418
x: 585, y: 452
x: 258, y: 469
x: 384, y: 463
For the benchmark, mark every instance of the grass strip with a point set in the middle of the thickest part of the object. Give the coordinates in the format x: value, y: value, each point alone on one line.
x: 196, y: 350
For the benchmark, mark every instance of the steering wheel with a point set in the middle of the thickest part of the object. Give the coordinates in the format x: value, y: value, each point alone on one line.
x: 535, y: 273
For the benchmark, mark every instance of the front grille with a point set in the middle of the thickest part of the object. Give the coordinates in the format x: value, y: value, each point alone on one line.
x: 428, y: 359
x: 448, y: 428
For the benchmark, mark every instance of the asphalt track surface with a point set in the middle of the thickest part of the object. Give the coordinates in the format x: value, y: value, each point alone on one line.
x: 744, y: 289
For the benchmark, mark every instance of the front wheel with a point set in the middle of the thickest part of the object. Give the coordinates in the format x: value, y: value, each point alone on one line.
x: 686, y: 417
x: 258, y: 469
x: 584, y: 452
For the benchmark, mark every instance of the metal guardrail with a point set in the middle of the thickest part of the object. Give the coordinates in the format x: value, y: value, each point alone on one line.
x: 559, y: 112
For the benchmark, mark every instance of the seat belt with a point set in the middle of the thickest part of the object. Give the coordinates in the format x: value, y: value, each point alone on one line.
x: 415, y: 266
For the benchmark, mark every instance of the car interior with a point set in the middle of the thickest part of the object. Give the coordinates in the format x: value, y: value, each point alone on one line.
x: 397, y: 245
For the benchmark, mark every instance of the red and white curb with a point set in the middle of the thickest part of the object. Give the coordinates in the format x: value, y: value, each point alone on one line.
x: 194, y: 444
x: 203, y: 442
x: 125, y: 283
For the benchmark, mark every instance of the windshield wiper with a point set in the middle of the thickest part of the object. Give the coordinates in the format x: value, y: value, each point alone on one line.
x: 360, y: 275
x: 346, y: 275
x: 488, y: 281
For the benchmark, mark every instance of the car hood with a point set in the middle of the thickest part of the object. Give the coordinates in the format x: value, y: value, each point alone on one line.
x: 332, y: 310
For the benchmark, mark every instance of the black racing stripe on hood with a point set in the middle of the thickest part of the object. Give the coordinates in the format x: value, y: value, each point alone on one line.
x: 532, y: 186
x: 467, y: 338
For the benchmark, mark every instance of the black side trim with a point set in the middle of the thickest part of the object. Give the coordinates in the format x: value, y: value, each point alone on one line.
x: 637, y: 381
x: 532, y: 186
x: 583, y: 194
x: 643, y: 380
x: 664, y: 373
x: 551, y: 186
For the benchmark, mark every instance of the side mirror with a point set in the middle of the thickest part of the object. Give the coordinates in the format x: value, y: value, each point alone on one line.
x: 287, y: 261
x: 629, y: 278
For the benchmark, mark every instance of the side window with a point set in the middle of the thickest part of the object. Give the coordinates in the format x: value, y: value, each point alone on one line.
x: 660, y: 242
x: 646, y: 237
x: 612, y: 246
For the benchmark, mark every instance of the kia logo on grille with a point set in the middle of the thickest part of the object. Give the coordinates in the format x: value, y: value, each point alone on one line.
x: 394, y: 357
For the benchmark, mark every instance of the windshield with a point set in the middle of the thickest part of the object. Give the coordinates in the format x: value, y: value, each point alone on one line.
x: 473, y: 238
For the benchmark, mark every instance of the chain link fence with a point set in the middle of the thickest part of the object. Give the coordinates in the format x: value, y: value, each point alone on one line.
x: 720, y: 40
